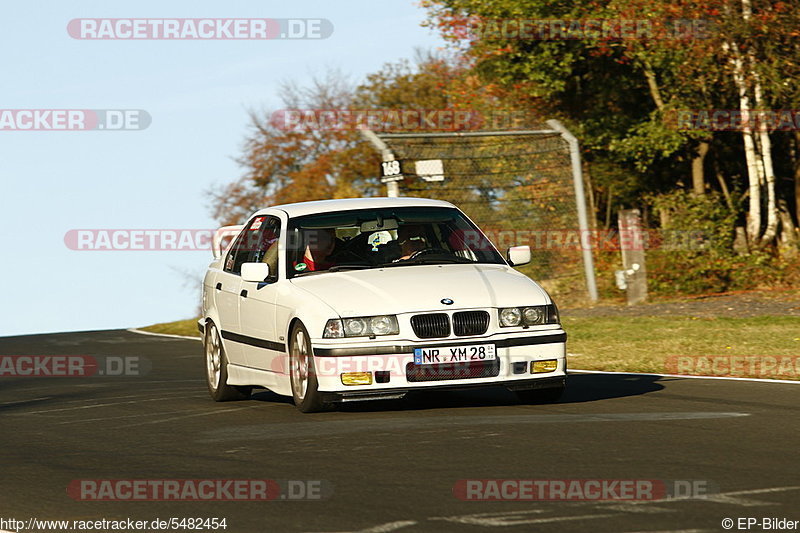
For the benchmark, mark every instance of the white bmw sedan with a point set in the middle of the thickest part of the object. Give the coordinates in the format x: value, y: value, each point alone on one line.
x: 370, y: 298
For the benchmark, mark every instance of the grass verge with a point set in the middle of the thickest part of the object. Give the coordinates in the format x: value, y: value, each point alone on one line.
x: 180, y: 327
x: 760, y: 347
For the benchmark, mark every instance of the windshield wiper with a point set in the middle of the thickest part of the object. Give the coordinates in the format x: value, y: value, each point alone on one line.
x: 337, y: 268
x: 429, y: 261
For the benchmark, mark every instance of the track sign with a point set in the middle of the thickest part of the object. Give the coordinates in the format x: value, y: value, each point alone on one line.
x: 430, y: 169
x: 390, y: 171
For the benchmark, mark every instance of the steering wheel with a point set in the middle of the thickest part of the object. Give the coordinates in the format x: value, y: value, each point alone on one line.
x: 427, y: 251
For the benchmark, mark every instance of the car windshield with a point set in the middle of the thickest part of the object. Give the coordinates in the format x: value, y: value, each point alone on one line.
x: 387, y: 237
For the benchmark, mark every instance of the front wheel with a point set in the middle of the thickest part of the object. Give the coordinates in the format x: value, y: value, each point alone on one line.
x: 302, y: 372
x: 217, y: 369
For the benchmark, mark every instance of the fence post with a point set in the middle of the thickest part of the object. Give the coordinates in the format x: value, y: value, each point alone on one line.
x: 392, y: 186
x: 632, y: 245
x: 580, y: 201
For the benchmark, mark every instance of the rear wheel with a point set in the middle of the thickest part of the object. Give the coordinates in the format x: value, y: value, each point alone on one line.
x: 549, y: 395
x: 302, y: 372
x: 217, y: 369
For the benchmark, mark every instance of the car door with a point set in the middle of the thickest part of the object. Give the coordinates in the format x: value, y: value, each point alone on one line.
x: 227, y: 290
x: 258, y: 299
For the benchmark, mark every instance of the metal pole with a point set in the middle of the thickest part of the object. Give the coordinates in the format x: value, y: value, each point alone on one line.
x: 392, y: 188
x: 580, y: 199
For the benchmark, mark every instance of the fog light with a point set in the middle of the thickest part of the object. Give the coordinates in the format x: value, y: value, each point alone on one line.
x: 519, y: 367
x: 541, y: 367
x: 357, y: 378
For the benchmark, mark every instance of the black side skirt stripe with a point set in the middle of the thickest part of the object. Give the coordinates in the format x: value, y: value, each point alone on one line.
x: 252, y: 341
x: 391, y: 350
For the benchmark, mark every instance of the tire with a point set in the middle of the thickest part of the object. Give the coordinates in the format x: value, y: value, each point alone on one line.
x: 302, y: 373
x: 549, y: 395
x: 217, y: 369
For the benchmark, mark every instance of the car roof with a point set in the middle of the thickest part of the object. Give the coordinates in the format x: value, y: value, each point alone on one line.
x: 347, y: 204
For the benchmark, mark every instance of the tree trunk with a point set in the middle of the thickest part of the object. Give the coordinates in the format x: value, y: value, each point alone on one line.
x: 592, y: 202
x: 725, y: 191
x: 788, y: 239
x: 797, y: 176
x: 698, y: 177
x: 652, y: 84
x: 765, y: 146
x: 754, y: 162
x: 753, y: 171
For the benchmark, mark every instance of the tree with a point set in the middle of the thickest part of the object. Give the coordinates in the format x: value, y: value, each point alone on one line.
x: 616, y: 92
x: 288, y: 160
x: 292, y: 161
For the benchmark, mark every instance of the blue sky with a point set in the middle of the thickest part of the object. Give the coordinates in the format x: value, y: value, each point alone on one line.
x: 198, y: 94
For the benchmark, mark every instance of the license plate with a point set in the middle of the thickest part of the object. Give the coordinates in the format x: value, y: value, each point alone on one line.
x: 454, y: 354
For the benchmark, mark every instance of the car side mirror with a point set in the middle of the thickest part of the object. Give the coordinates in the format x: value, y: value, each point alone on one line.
x: 256, y: 272
x: 519, y: 255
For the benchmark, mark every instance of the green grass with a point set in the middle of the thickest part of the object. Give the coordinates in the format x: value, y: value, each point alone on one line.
x: 646, y: 344
x: 180, y: 327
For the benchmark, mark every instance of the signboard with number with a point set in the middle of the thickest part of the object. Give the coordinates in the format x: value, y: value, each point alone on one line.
x: 390, y: 171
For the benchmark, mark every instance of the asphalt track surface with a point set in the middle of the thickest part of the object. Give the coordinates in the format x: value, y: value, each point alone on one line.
x: 392, y: 466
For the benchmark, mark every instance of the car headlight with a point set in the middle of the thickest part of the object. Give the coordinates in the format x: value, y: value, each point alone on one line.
x: 535, y: 315
x: 364, y: 326
x: 383, y: 325
x: 510, y: 316
x: 354, y: 327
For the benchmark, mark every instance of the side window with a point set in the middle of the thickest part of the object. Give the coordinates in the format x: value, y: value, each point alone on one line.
x: 266, y: 248
x: 258, y: 242
x: 240, y: 250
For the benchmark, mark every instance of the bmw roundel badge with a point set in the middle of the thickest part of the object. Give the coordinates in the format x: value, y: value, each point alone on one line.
x: 447, y: 301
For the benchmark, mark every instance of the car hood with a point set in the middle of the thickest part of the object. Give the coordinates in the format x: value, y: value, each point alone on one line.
x: 417, y: 288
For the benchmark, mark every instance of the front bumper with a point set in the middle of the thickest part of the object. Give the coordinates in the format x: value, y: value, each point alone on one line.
x: 393, y: 373
x: 392, y: 394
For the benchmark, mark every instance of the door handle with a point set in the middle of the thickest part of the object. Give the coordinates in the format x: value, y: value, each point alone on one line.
x: 243, y: 294
x: 219, y: 286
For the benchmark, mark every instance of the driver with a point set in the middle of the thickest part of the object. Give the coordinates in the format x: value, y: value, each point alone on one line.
x: 411, y: 239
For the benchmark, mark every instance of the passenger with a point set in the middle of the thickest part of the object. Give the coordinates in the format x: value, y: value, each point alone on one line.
x: 320, y: 245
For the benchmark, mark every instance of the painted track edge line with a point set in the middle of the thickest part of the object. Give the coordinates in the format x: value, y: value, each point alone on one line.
x: 728, y: 378
x: 142, y: 332
x: 758, y: 380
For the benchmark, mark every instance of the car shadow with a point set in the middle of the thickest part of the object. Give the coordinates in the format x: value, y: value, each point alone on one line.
x: 580, y: 388
x: 595, y: 387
